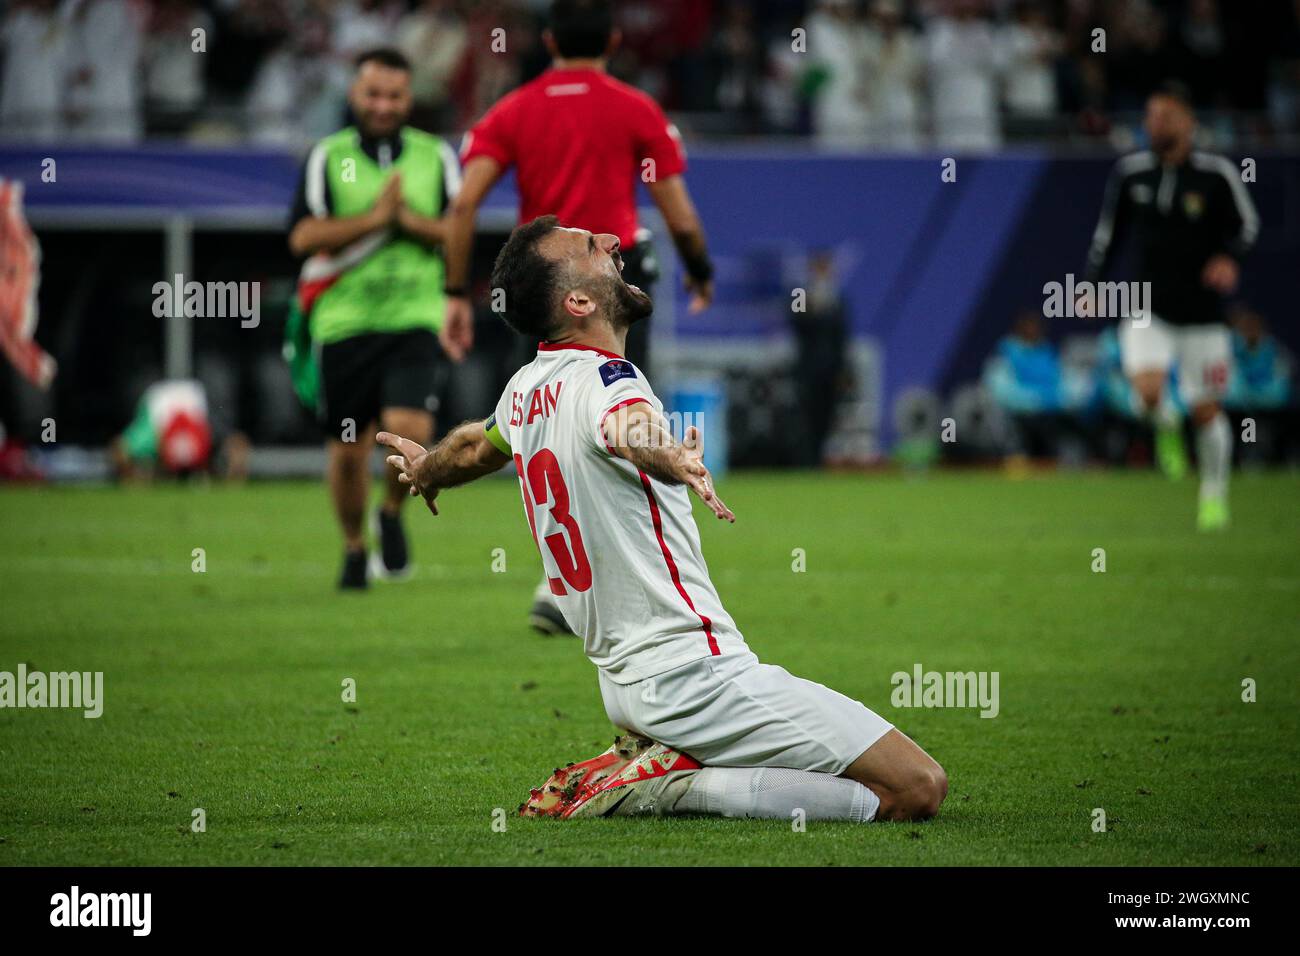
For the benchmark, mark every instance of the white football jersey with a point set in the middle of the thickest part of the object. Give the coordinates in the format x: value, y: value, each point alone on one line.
x: 620, y: 549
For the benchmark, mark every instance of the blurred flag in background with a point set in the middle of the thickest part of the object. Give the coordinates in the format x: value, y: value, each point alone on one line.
x: 20, y: 275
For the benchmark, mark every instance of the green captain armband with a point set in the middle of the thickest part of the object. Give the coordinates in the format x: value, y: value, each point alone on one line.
x: 495, y: 437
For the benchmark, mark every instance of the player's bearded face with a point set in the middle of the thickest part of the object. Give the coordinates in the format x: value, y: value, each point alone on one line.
x: 627, y: 303
x: 594, y: 265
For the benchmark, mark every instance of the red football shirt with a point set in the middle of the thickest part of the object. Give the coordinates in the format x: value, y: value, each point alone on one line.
x: 578, y: 140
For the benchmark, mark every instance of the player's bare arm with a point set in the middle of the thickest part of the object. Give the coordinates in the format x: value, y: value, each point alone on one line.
x: 314, y: 234
x: 478, y: 176
x: 465, y: 454
x: 674, y: 202
x: 639, y: 434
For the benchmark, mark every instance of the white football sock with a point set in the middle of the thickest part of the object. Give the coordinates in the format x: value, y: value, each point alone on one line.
x: 774, y: 793
x: 1214, y: 456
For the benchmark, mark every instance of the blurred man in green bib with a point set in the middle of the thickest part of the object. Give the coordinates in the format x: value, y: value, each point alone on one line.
x: 366, y: 324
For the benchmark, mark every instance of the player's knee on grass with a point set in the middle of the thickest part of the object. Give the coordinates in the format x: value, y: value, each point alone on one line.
x: 919, y: 798
x: 909, y: 782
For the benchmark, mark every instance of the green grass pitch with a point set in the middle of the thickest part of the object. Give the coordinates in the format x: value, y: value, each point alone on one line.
x: 223, y: 690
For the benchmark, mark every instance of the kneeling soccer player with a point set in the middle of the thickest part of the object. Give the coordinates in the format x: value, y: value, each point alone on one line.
x: 711, y: 729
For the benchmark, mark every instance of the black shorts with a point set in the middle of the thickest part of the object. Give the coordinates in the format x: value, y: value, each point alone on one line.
x: 362, y: 375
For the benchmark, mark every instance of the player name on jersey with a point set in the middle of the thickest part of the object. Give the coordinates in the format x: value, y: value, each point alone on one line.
x: 542, y: 403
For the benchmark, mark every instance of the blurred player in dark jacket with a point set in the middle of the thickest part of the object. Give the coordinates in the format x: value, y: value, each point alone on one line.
x: 1193, y: 221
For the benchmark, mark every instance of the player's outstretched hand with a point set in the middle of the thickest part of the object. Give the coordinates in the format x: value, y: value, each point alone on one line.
x: 407, y: 462
x: 693, y: 474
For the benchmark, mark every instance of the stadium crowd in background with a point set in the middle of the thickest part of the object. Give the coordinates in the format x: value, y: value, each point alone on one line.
x: 868, y: 74
x: 894, y: 74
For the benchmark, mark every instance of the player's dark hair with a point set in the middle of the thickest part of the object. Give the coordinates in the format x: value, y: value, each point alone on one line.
x: 384, y: 56
x: 1178, y: 91
x: 527, y: 280
x: 581, y: 28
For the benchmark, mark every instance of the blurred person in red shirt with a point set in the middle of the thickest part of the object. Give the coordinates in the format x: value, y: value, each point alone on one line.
x: 578, y: 140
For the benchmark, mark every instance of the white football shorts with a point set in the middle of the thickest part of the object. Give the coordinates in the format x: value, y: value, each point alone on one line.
x: 1203, y: 354
x: 733, y: 711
